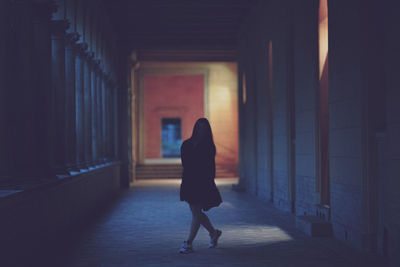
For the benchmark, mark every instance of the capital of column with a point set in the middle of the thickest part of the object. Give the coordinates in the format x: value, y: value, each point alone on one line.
x: 107, y: 79
x: 90, y: 57
x: 82, y: 49
x: 72, y: 39
x: 42, y: 11
x: 102, y: 71
x: 97, y: 65
x: 103, y: 74
x: 58, y: 28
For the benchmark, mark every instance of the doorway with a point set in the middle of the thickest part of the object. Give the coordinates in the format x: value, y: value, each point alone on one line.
x: 171, y: 136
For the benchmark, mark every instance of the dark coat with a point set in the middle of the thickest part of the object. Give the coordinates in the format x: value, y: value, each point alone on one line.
x: 198, y: 186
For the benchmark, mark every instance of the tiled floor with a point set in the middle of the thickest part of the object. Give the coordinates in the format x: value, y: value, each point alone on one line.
x: 147, y: 224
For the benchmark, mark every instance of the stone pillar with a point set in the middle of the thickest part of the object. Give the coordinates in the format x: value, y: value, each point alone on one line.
x: 79, y: 102
x: 71, y: 51
x: 39, y: 113
x: 116, y: 122
x: 94, y: 124
x: 4, y: 28
x: 111, y: 114
x: 100, y: 116
x: 111, y: 122
x: 103, y: 119
x: 59, y: 91
x: 17, y: 79
x: 108, y: 120
x: 88, y: 108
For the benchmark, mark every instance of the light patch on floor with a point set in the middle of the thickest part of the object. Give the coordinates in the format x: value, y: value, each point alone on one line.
x: 247, y: 235
x: 177, y: 182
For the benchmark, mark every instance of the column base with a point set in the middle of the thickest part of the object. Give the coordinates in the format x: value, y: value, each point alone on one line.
x: 82, y: 166
x: 91, y: 164
x: 61, y: 171
x: 72, y: 168
x: 97, y: 162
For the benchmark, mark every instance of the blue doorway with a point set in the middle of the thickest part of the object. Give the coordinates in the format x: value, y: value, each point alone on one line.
x: 171, y: 136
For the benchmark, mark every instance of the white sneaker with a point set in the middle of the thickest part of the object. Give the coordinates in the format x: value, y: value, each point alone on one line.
x: 186, y: 248
x: 214, y: 238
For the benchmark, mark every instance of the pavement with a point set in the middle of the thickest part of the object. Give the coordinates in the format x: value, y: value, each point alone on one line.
x: 146, y: 225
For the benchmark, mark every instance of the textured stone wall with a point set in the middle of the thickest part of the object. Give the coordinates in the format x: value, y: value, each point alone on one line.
x: 363, y: 110
x: 345, y: 97
x: 389, y: 153
x: 305, y: 89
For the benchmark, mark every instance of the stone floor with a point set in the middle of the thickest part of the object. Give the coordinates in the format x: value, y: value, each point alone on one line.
x: 147, y: 224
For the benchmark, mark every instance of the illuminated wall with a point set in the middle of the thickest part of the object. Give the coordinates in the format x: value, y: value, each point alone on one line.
x: 170, y: 96
x: 323, y: 102
x: 220, y: 104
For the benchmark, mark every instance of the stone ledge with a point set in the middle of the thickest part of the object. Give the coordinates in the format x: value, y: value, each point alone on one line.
x: 23, y: 189
x: 44, y: 212
x: 314, y: 226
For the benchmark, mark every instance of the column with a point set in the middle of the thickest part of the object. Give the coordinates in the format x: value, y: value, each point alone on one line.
x: 100, y: 116
x: 103, y: 120
x: 58, y: 80
x: 4, y: 27
x: 108, y: 120
x: 16, y: 77
x: 111, y: 114
x: 79, y: 102
x: 116, y: 122
x: 98, y: 113
x: 88, y: 108
x: 36, y: 151
x: 71, y: 50
x: 94, y: 124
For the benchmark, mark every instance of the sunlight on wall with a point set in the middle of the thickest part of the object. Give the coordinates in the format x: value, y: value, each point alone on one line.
x: 323, y: 106
x: 244, y: 90
x: 270, y: 64
x: 221, y: 103
x: 323, y: 35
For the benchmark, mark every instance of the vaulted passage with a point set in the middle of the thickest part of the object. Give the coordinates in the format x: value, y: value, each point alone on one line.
x: 97, y: 96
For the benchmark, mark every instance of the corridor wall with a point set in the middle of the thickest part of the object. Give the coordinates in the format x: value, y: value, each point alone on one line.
x: 279, y: 155
x: 220, y: 98
x: 59, y: 117
x: 60, y: 89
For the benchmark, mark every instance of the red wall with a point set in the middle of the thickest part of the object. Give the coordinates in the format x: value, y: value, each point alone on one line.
x: 170, y: 96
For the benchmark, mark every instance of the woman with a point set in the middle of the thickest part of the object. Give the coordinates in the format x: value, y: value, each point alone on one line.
x: 198, y: 187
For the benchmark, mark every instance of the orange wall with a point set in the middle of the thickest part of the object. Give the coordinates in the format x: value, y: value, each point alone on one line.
x: 222, y: 103
x: 170, y: 96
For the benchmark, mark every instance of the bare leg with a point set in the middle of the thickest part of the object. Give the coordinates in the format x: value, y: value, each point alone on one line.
x: 195, y: 225
x: 206, y: 223
x: 198, y: 217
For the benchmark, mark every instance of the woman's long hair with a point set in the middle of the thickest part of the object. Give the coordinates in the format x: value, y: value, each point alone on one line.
x: 202, y: 134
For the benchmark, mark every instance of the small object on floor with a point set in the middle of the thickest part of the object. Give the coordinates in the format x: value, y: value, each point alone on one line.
x: 186, y: 248
x: 214, y: 238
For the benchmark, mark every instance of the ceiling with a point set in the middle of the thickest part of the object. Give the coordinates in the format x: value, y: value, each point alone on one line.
x: 201, y: 25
